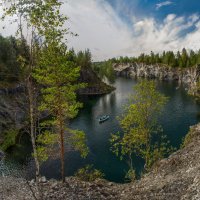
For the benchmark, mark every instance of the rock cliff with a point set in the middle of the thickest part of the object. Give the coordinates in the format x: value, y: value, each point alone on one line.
x: 12, y: 100
x: 94, y: 84
x: 188, y: 76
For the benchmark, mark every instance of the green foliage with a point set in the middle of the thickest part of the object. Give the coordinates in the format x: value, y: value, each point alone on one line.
x: 182, y: 60
x: 188, y: 138
x: 78, y: 141
x: 59, y: 74
x: 51, y: 66
x: 130, y: 175
x: 9, y: 139
x: 89, y: 174
x: 141, y: 132
x: 84, y: 59
x: 45, y: 143
x: 10, y: 70
x: 105, y: 71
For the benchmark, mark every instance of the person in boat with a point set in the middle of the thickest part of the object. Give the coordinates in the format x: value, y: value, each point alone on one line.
x: 103, y: 118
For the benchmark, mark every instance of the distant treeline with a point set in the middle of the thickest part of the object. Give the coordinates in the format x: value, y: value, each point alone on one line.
x: 9, y: 67
x: 181, y: 59
x: 11, y: 50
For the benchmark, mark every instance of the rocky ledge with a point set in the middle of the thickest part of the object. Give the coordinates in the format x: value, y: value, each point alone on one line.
x: 188, y: 76
x: 174, y: 178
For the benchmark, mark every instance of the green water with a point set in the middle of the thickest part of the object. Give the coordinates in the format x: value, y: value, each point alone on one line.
x: 180, y: 113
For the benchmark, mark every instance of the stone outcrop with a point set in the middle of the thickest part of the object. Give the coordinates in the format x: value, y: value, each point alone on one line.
x: 187, y: 76
x: 95, y: 86
x: 12, y: 110
x: 173, y: 178
x: 14, y: 106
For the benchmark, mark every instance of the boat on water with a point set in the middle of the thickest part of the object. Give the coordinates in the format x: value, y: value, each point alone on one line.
x: 103, y: 118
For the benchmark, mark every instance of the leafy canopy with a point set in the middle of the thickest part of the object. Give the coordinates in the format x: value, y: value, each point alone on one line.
x: 141, y: 132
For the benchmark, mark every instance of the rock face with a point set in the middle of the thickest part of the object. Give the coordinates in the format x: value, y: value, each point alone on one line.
x: 11, y: 113
x: 13, y: 100
x: 94, y: 84
x: 174, y: 178
x: 189, y: 76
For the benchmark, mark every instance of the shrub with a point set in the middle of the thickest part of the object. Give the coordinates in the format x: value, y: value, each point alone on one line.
x: 88, y: 173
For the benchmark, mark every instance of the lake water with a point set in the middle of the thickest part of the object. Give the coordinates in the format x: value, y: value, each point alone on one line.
x: 180, y: 113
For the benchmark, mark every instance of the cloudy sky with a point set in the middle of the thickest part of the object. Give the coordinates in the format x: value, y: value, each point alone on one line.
x: 112, y: 28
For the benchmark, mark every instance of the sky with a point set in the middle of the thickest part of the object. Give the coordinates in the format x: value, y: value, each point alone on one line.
x: 113, y: 28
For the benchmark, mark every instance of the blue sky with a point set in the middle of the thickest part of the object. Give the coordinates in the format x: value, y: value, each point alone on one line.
x: 112, y: 28
x: 154, y: 8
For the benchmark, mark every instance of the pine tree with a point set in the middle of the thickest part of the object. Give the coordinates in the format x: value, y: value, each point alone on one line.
x: 184, y: 58
x: 59, y: 76
x: 48, y: 63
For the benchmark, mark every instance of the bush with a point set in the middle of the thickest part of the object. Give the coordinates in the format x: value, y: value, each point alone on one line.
x: 9, y: 139
x: 130, y: 175
x: 88, y: 173
x: 188, y: 138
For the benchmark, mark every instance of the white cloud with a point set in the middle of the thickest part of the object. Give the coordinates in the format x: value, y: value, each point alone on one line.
x: 98, y: 27
x: 165, y: 3
x: 102, y: 31
x: 6, y: 28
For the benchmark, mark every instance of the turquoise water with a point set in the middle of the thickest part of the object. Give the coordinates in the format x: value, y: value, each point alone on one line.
x: 180, y: 113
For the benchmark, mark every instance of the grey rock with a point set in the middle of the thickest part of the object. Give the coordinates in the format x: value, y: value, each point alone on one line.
x: 188, y: 76
x: 43, y: 179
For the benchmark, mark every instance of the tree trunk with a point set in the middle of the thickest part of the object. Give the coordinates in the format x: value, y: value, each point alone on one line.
x: 32, y: 113
x: 32, y: 125
x: 62, y: 153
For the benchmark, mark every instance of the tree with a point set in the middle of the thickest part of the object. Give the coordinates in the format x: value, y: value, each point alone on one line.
x: 59, y: 76
x: 26, y: 58
x: 84, y: 59
x: 193, y: 58
x: 45, y: 40
x: 140, y: 126
x: 184, y: 58
x: 9, y: 67
x: 105, y: 70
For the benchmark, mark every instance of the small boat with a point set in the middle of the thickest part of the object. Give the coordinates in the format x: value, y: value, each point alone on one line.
x: 103, y: 118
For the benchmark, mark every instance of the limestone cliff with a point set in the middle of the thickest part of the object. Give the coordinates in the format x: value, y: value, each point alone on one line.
x: 188, y: 76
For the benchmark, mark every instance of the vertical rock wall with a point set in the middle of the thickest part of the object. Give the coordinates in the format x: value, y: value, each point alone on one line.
x: 187, y: 76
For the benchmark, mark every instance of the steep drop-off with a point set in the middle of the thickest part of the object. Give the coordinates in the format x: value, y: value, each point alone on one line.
x: 94, y: 84
x: 13, y: 103
x: 188, y: 76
